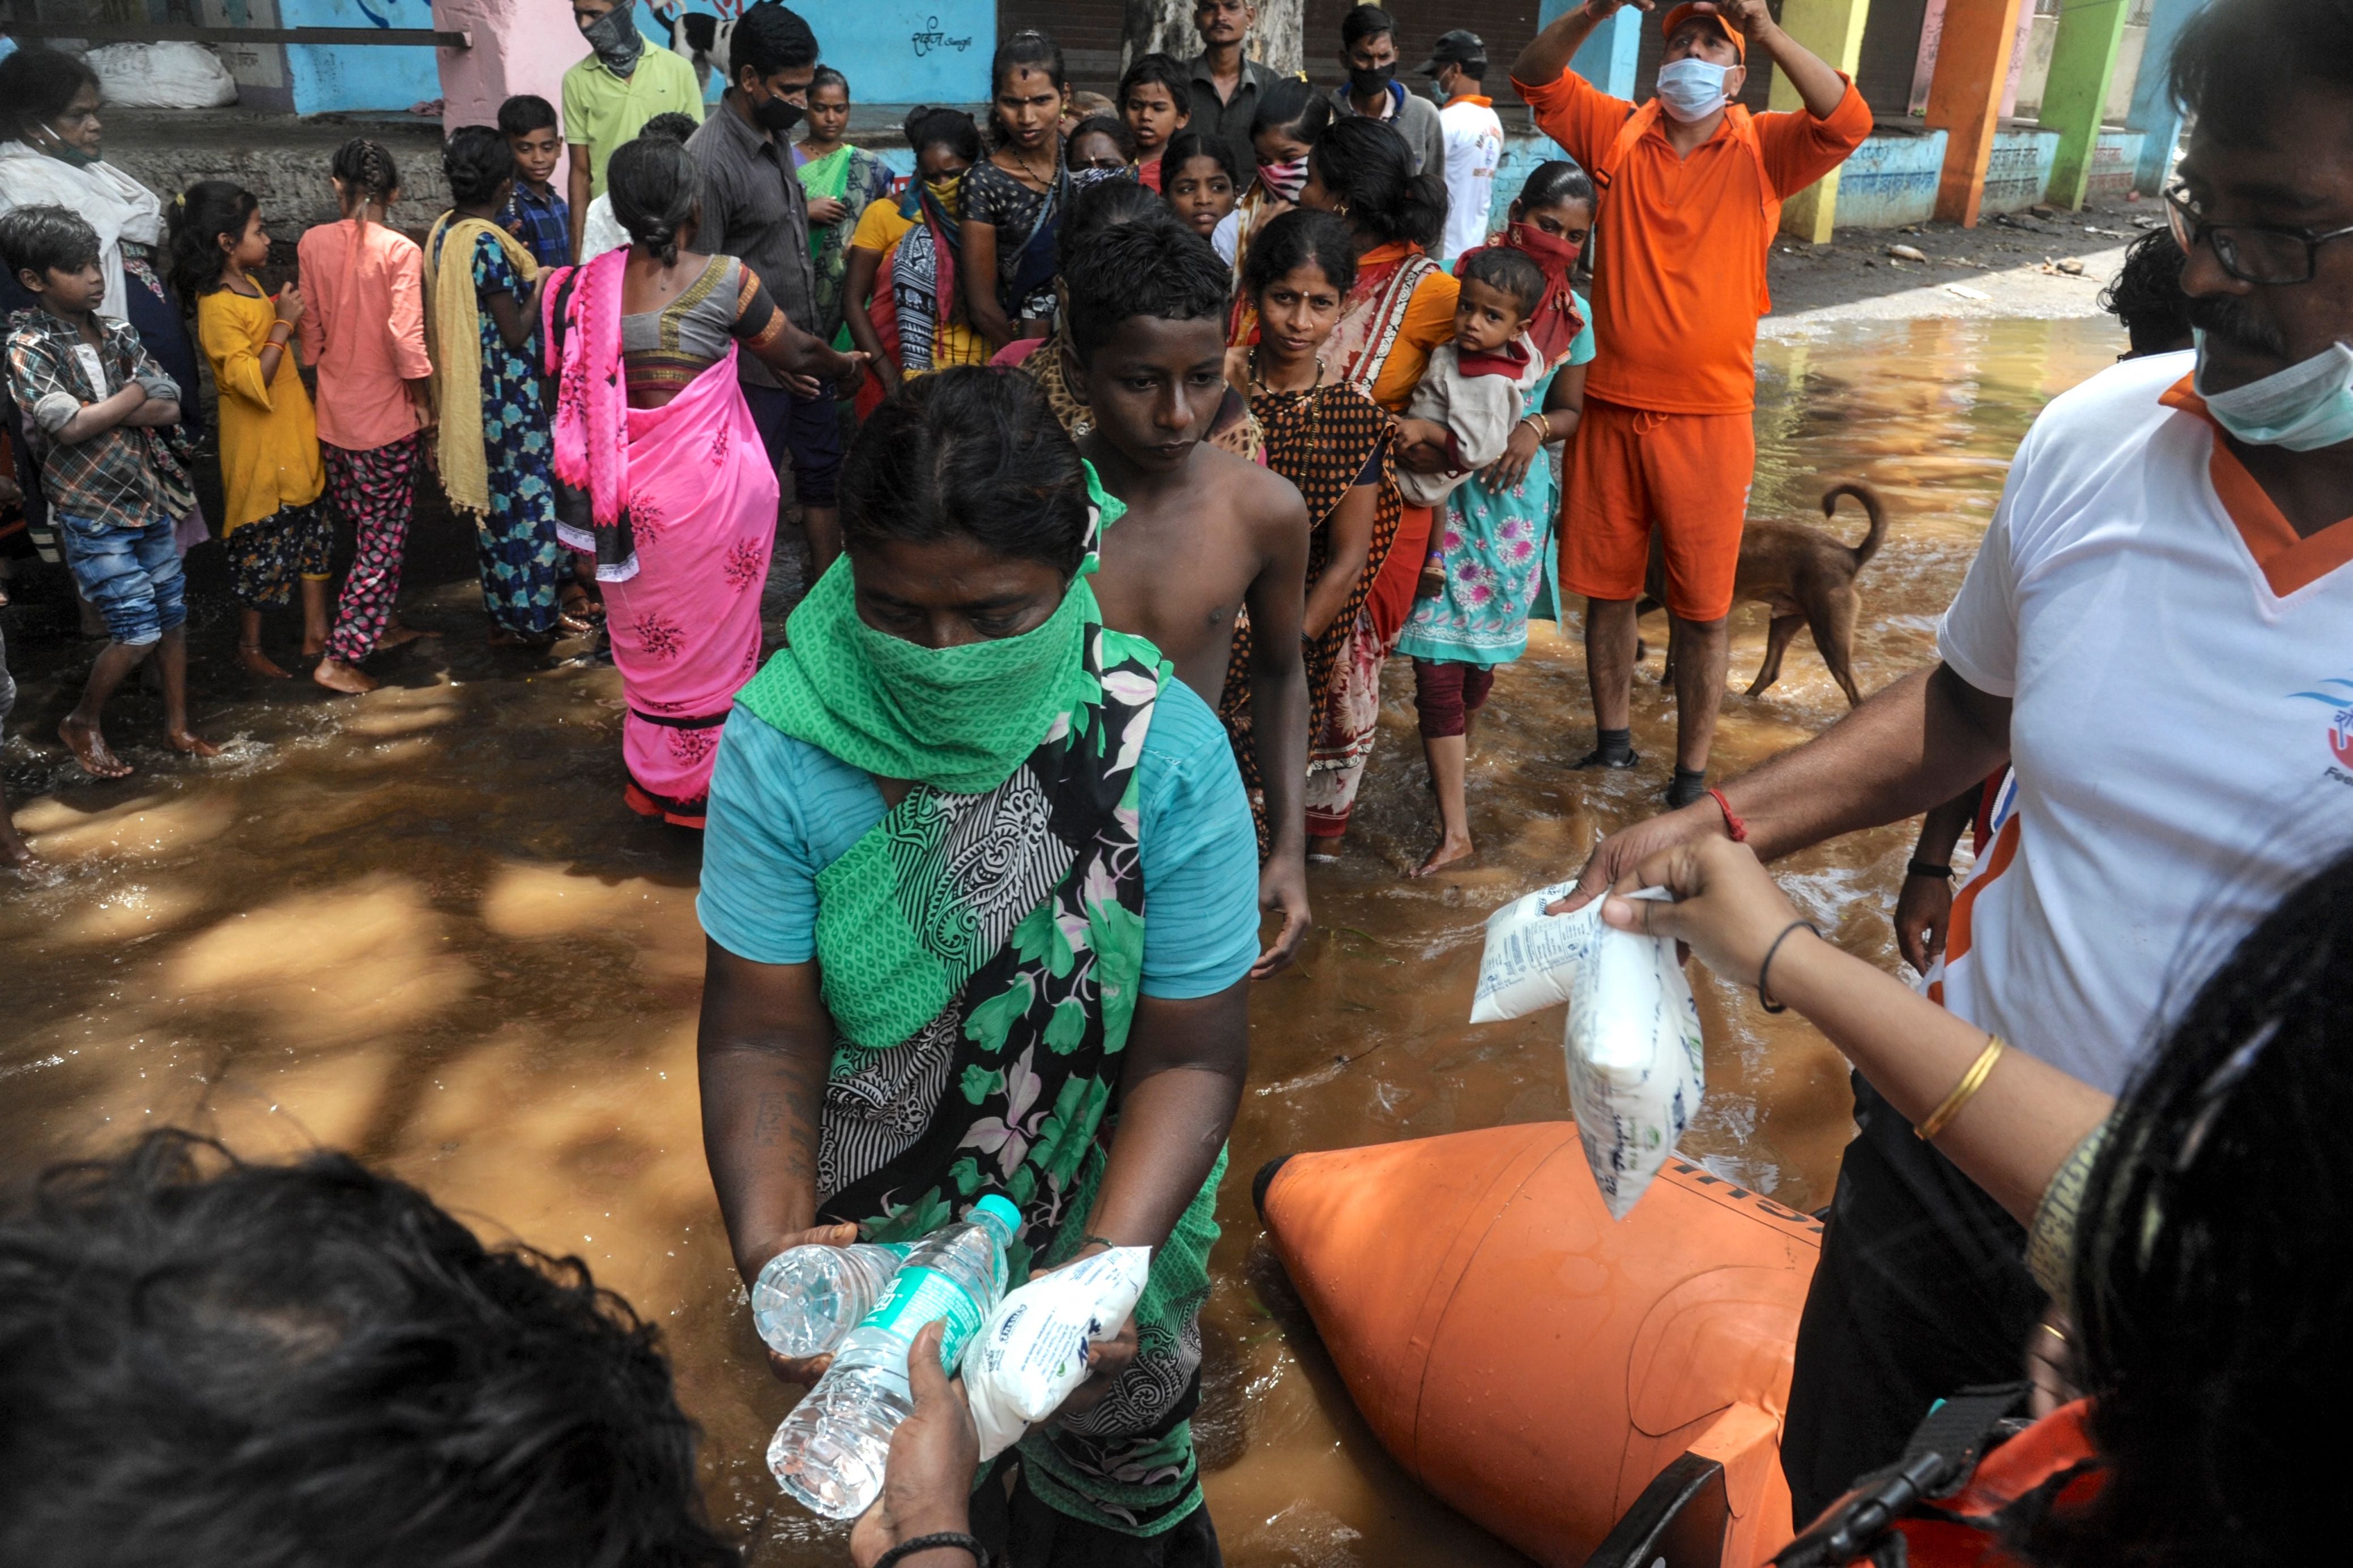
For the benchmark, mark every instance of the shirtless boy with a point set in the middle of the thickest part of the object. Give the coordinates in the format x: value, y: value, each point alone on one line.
x: 1205, y: 534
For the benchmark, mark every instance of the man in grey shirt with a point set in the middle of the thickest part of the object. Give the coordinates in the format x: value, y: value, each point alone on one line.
x: 1368, y: 49
x: 753, y: 209
x: 1228, y: 84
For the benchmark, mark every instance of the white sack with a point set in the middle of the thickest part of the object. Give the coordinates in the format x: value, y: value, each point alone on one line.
x: 162, y: 76
x: 1034, y: 1349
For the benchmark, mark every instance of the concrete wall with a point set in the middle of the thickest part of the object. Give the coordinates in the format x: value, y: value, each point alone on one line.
x: 2018, y: 174
x: 326, y: 77
x: 2114, y: 157
x: 908, y: 51
x: 2033, y: 65
x: 1891, y: 180
x: 2036, y: 69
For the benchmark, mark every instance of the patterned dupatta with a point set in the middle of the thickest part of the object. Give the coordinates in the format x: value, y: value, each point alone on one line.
x: 1372, y: 316
x: 923, y: 279
x: 580, y: 312
x: 854, y: 177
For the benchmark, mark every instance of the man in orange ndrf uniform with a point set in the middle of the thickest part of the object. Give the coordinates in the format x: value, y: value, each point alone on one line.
x: 1692, y: 186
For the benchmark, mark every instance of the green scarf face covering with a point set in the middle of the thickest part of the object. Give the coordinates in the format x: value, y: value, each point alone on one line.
x: 958, y: 718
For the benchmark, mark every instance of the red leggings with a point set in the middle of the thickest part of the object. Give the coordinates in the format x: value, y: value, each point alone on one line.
x: 1445, y: 695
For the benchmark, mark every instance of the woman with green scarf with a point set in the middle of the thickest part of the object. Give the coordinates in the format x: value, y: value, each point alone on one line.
x: 839, y: 181
x: 939, y: 818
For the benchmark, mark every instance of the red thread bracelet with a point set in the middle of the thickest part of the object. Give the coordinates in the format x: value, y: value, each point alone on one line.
x: 1732, y: 825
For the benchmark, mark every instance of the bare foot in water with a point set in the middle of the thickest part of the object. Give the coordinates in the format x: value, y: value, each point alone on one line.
x: 256, y: 662
x: 189, y: 744
x: 1449, y: 851
x: 313, y: 647
x: 1323, y: 851
x: 89, y: 749
x: 336, y: 676
x: 398, y: 637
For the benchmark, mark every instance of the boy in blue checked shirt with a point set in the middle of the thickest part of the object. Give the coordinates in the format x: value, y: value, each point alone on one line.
x: 537, y: 214
x: 95, y: 404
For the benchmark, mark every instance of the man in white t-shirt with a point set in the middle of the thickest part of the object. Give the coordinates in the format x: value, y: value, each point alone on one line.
x: 2158, y: 635
x: 1457, y: 66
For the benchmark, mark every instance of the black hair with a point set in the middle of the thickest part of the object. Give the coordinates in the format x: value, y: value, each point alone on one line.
x: 1027, y: 47
x: 1188, y: 144
x: 969, y: 452
x: 930, y: 126
x: 47, y: 240
x: 676, y: 126
x: 1301, y: 238
x: 1153, y: 266
x: 769, y: 37
x: 1476, y: 69
x: 2146, y: 295
x: 477, y: 160
x: 1101, y: 125
x: 1368, y: 166
x: 828, y: 76
x: 1102, y: 205
x: 1162, y: 69
x: 524, y: 113
x: 232, y: 1365
x: 1363, y: 22
x: 2235, y: 61
x: 204, y: 213
x: 1508, y: 271
x: 368, y: 175
x: 36, y: 84
x: 1294, y: 104
x: 1554, y: 182
x: 2213, y: 1271
x: 655, y: 186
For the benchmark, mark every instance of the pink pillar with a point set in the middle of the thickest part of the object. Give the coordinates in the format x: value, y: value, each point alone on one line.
x: 1923, y: 64
x: 520, y: 46
x: 2016, y: 59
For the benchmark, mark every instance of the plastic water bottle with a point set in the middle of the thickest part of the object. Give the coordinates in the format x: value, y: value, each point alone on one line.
x: 830, y: 1451
x: 809, y: 1296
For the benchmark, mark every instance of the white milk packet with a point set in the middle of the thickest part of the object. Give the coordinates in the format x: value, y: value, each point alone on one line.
x: 1635, y: 1067
x: 1531, y: 958
x: 1034, y: 1349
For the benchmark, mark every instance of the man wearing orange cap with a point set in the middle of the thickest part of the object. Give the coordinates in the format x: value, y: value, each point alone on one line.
x: 1692, y: 186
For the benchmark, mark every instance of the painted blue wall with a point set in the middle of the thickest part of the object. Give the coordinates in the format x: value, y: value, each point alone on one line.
x: 325, y: 78
x: 2018, y: 172
x: 1891, y: 180
x: 910, y: 51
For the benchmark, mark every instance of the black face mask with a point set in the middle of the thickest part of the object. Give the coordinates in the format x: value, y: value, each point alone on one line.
x: 1367, y: 80
x: 778, y: 115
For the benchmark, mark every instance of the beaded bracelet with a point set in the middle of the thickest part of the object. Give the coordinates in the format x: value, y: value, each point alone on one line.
x: 933, y: 1543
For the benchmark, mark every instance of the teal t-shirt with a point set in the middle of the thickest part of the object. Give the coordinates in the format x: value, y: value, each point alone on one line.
x: 782, y: 811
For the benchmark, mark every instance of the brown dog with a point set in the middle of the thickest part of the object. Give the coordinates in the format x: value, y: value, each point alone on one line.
x: 1804, y: 577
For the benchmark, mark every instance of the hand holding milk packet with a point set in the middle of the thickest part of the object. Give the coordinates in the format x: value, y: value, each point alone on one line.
x: 1034, y: 1349
x: 1633, y: 1042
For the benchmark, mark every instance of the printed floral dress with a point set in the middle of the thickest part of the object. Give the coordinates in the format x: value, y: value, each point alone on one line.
x: 523, y: 566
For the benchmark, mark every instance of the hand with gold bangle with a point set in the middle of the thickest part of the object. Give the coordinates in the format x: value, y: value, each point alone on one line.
x: 1930, y: 1064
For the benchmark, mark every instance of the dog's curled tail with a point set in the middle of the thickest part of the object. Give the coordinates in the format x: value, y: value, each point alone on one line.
x: 1875, y: 509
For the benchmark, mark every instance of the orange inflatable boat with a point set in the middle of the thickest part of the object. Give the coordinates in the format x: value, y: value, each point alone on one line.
x: 1589, y: 1390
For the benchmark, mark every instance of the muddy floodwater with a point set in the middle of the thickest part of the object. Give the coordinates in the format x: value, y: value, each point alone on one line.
x: 421, y: 926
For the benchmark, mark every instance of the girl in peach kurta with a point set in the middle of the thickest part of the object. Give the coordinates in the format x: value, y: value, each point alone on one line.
x: 274, y: 531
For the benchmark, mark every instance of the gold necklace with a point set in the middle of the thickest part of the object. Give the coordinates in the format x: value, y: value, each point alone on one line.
x: 1258, y: 384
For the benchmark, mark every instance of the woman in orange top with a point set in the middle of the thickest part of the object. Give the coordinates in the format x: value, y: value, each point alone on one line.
x: 1400, y: 307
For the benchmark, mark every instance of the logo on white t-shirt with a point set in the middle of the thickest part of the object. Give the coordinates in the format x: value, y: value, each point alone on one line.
x: 2341, y: 729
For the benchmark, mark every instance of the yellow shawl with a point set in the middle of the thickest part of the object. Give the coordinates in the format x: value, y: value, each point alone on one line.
x: 453, y: 334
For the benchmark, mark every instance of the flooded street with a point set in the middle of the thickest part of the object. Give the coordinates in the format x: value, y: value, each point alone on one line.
x: 422, y: 926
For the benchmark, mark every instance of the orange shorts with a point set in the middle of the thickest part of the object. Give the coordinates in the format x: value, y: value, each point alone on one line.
x: 1687, y: 473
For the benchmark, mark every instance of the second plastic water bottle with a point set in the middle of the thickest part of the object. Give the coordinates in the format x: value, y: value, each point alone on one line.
x: 808, y: 1298
x: 830, y: 1451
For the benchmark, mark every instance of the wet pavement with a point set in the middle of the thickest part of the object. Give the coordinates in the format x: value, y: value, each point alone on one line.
x: 421, y: 925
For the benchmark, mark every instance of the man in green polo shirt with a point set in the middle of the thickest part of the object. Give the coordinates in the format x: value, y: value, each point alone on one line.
x: 625, y: 80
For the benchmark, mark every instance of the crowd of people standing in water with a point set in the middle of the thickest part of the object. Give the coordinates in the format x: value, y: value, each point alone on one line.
x: 1153, y: 472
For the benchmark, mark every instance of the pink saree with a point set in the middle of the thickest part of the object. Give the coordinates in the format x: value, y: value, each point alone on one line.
x: 690, y: 485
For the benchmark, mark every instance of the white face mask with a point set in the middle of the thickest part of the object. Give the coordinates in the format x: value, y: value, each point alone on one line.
x: 1692, y: 89
x: 2303, y: 408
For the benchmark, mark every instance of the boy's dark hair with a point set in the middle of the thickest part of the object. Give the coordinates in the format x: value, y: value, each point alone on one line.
x: 2235, y: 61
x: 1556, y: 182
x: 970, y: 452
x: 1294, y: 104
x: 1363, y: 22
x: 1164, y: 69
x: 1304, y: 236
x: 477, y: 160
x: 654, y: 182
x: 676, y: 126
x: 1368, y: 166
x: 1188, y: 144
x: 1101, y: 125
x: 1105, y: 205
x: 2147, y: 296
x: 45, y: 240
x: 1507, y: 271
x: 38, y: 83
x: 769, y: 37
x: 828, y: 76
x: 930, y: 126
x: 1153, y: 267
x: 230, y: 1365
x: 524, y: 113
x: 204, y: 212
x: 367, y: 169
